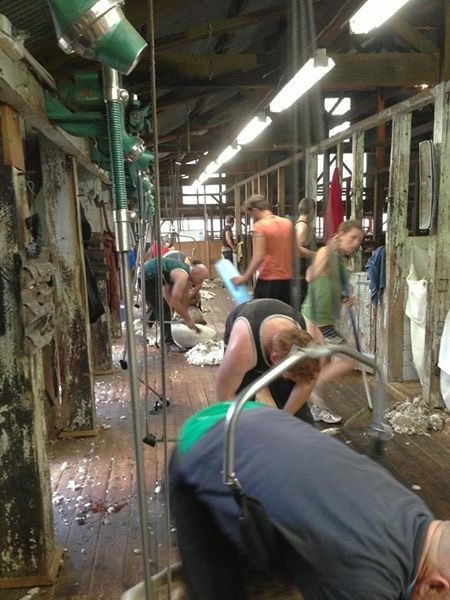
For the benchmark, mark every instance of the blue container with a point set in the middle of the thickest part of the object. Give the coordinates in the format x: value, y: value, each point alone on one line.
x: 227, y: 271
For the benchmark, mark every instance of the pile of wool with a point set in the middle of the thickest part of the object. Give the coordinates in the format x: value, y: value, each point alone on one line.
x: 205, y: 295
x: 186, y: 338
x: 210, y: 283
x: 206, y: 353
x: 416, y: 417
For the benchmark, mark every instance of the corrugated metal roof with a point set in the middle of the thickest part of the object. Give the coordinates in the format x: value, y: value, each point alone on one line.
x: 225, y: 75
x: 31, y: 17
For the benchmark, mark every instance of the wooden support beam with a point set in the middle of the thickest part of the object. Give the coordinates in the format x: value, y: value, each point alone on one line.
x: 29, y: 555
x: 411, y: 35
x: 281, y: 191
x: 13, y: 155
x: 340, y: 160
x: 394, y: 297
x: 60, y: 188
x: 89, y: 190
x: 207, y: 65
x: 311, y: 176
x: 445, y: 53
x: 385, y: 69
x: 24, y: 94
x: 215, y: 28
x: 357, y: 208
x: 237, y: 212
x: 357, y: 199
x: 380, y: 151
x: 438, y: 289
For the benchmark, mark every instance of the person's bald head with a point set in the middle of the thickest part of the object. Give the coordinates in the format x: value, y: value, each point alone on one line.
x: 199, y: 273
x: 433, y: 579
x: 443, y: 551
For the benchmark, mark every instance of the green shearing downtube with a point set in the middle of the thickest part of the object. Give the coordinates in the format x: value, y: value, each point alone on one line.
x: 115, y: 128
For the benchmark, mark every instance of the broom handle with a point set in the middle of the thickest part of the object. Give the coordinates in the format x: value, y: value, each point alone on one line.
x: 351, y: 315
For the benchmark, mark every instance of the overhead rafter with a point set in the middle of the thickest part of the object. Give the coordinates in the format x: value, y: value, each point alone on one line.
x: 411, y: 35
x: 207, y: 65
x: 385, y: 69
x: 215, y: 28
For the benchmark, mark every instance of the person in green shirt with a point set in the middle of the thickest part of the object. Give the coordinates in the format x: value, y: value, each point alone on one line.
x: 328, y: 291
x: 180, y: 282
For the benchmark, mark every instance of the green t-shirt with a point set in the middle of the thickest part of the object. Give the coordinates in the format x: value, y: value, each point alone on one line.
x: 323, y: 301
x: 167, y: 266
x: 200, y: 423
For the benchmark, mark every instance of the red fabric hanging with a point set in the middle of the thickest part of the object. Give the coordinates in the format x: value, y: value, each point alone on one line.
x: 334, y: 214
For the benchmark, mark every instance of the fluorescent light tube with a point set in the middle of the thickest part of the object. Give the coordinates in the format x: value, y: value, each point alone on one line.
x: 311, y: 72
x: 253, y: 129
x: 227, y: 154
x: 211, y: 168
x: 373, y: 13
x: 202, y: 178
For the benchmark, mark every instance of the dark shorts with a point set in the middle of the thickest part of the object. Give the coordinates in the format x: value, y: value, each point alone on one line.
x: 279, y: 289
x: 228, y: 254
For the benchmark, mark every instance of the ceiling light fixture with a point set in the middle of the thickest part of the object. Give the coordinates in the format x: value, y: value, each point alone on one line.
x: 373, y: 14
x: 311, y: 72
x: 253, y: 129
x: 228, y: 154
x: 211, y: 168
x: 203, y: 177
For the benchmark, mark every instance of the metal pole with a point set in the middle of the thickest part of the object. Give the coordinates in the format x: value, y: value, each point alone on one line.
x: 113, y: 98
x: 137, y: 420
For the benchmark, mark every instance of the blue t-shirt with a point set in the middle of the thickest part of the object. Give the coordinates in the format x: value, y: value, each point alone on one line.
x: 350, y: 531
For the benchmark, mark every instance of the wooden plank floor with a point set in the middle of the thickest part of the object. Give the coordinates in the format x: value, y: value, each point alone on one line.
x: 94, y: 482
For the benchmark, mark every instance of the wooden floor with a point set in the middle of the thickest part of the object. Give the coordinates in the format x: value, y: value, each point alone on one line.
x: 94, y: 482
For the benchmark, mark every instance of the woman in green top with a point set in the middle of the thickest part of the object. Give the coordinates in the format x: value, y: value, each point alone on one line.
x: 328, y: 290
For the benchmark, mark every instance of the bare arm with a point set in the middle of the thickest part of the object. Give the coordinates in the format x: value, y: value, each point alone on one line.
x: 238, y: 359
x: 259, y: 252
x: 321, y: 263
x: 303, y: 235
x: 298, y: 396
x: 176, y: 296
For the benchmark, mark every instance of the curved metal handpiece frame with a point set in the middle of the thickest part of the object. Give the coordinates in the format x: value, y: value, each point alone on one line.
x: 382, y: 431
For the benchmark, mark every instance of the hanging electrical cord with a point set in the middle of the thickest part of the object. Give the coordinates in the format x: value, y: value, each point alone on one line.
x: 295, y: 59
x: 161, y: 308
x: 311, y: 123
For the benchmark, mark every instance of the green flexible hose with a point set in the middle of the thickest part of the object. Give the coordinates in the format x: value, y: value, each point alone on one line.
x: 115, y: 127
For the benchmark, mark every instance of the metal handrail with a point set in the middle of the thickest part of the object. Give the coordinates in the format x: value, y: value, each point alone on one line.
x: 297, y: 354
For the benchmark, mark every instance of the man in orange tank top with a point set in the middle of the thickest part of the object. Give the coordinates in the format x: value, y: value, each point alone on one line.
x: 273, y: 251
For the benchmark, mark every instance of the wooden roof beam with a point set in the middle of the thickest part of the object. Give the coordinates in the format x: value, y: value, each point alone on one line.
x: 206, y: 65
x: 215, y: 28
x: 385, y: 69
x: 411, y: 35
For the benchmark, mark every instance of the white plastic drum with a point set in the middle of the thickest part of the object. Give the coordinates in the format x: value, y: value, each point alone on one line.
x: 186, y: 338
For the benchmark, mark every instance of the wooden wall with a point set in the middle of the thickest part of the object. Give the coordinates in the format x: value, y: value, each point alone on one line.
x: 207, y: 251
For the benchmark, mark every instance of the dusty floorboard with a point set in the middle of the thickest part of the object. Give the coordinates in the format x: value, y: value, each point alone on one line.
x: 94, y: 485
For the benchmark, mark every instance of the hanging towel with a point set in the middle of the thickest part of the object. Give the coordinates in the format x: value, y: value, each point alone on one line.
x: 334, y: 214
